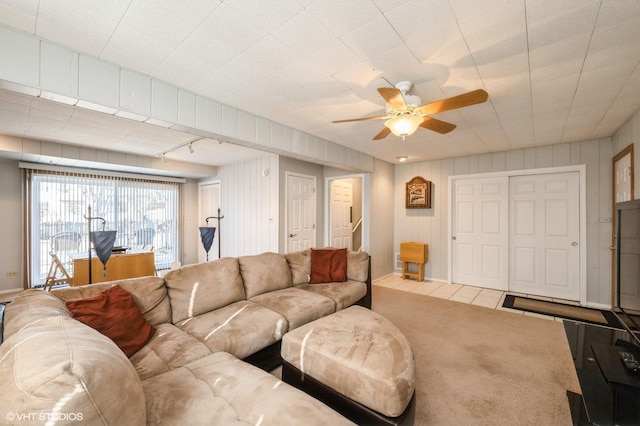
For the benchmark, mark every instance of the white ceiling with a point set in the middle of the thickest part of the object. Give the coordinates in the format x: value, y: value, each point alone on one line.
x: 556, y: 70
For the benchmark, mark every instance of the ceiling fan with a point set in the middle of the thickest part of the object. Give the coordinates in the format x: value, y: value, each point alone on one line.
x: 405, y: 113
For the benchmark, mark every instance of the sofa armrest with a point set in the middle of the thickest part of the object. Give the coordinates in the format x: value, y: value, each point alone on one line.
x: 366, y: 300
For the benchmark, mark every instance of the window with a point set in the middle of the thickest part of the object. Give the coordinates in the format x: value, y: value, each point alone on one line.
x: 143, y: 212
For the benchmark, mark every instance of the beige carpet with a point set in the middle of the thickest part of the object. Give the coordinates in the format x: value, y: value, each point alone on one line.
x: 480, y: 366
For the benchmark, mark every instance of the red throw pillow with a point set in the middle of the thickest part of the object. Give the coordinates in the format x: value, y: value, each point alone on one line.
x: 339, y: 265
x: 328, y: 265
x: 115, y: 314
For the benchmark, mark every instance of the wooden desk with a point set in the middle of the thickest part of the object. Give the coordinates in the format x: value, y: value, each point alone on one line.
x: 119, y: 266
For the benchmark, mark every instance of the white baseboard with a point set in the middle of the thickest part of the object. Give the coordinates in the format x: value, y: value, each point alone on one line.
x: 598, y: 306
x: 8, y: 295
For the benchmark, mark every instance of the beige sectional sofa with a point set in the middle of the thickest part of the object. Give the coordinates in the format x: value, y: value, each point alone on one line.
x: 209, y: 319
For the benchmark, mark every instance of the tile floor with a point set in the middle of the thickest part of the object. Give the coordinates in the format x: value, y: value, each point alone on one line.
x: 479, y: 296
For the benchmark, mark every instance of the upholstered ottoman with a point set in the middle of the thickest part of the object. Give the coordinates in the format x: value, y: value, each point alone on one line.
x: 355, y: 361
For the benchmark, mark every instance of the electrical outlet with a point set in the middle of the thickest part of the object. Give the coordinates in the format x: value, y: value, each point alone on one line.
x: 12, y: 273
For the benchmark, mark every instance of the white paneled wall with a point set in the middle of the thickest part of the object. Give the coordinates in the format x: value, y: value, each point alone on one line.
x: 379, y: 236
x: 249, y: 205
x: 431, y: 225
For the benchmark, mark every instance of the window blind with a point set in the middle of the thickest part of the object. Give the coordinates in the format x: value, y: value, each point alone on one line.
x: 143, y: 212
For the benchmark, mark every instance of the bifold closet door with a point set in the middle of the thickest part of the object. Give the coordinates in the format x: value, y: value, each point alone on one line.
x: 480, y: 232
x: 545, y: 235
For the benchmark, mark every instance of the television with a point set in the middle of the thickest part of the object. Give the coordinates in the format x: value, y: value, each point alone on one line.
x: 627, y: 300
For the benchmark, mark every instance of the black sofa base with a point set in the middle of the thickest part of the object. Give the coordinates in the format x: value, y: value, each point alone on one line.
x: 349, y: 408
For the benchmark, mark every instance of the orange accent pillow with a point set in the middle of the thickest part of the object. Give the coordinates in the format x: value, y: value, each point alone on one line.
x: 339, y: 266
x: 115, y: 314
x: 328, y: 265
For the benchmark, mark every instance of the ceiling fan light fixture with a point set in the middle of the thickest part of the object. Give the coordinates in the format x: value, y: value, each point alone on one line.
x: 404, y: 125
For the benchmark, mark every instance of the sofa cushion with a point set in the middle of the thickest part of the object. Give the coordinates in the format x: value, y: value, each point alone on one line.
x: 29, y: 307
x: 59, y: 365
x: 343, y: 294
x: 169, y: 348
x: 299, y: 265
x: 149, y: 293
x: 328, y: 265
x: 297, y: 306
x: 264, y: 272
x: 222, y: 390
x: 241, y: 328
x: 203, y: 287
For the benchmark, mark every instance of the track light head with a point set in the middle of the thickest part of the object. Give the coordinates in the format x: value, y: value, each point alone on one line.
x: 163, y: 157
x: 190, y: 146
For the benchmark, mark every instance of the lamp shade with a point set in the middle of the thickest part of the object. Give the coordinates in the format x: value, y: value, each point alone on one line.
x: 404, y: 124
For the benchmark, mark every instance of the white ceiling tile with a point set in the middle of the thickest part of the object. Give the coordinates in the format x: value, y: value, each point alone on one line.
x: 372, y: 39
x: 361, y: 76
x: 342, y: 17
x: 303, y: 34
x: 268, y: 14
x: 20, y: 14
x: 332, y: 58
x: 94, y: 22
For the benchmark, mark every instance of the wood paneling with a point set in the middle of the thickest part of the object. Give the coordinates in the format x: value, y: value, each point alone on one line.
x: 250, y: 206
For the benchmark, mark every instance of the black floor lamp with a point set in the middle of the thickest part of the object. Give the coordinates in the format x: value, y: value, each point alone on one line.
x: 207, y: 233
x: 102, y: 241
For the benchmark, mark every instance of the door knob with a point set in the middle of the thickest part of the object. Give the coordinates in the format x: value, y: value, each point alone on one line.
x: 453, y: 238
x: 292, y: 235
x: 574, y: 244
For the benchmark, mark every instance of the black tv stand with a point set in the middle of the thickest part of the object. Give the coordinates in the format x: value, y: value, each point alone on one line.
x: 610, y: 394
x: 612, y: 368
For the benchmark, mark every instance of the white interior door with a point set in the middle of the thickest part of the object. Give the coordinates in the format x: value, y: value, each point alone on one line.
x: 301, y: 212
x: 341, y: 203
x: 545, y: 235
x: 480, y: 232
x: 209, y: 203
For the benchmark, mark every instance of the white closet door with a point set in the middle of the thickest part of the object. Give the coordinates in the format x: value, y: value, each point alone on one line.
x: 480, y: 232
x: 545, y: 235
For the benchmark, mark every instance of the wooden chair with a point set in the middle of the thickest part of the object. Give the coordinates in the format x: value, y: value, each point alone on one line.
x: 57, y: 273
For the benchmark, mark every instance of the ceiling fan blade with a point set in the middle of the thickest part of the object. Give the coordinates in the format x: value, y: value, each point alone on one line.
x: 393, y: 97
x: 383, y: 134
x: 460, y: 101
x: 437, y: 125
x: 378, y: 117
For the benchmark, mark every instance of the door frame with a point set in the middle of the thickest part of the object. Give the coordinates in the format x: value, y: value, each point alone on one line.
x: 628, y: 150
x: 363, y: 205
x: 331, y: 209
x: 581, y: 169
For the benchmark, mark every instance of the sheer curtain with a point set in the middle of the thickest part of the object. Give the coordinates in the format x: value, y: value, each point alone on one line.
x: 144, y: 213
